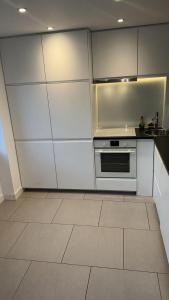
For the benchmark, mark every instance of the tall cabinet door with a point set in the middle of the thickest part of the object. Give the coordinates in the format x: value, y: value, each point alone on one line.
x: 70, y: 110
x: 22, y: 59
x: 114, y: 53
x: 36, y: 164
x: 66, y: 55
x: 29, y: 112
x: 75, y: 164
x: 153, y: 49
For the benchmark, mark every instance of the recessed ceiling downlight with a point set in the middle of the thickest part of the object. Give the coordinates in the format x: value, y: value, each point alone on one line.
x: 22, y: 10
x: 121, y: 20
x: 50, y: 28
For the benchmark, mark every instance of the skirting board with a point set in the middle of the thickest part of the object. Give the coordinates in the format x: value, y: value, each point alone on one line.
x: 116, y: 184
x: 15, y: 196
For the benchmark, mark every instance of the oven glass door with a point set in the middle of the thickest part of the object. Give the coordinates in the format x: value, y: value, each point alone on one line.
x: 115, y: 163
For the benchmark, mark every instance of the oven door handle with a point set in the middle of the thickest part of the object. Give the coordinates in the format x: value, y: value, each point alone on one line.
x: 115, y: 151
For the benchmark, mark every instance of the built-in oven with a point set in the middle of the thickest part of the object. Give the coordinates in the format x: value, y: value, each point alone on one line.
x: 115, y: 158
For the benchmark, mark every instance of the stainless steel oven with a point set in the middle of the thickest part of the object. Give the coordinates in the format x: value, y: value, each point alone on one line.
x: 115, y: 158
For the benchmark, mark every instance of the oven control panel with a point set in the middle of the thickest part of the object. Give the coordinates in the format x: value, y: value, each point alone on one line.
x: 113, y: 143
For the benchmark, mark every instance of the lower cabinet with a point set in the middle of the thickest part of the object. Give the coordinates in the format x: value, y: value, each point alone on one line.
x: 36, y: 164
x: 145, y: 165
x: 161, y: 197
x: 75, y: 164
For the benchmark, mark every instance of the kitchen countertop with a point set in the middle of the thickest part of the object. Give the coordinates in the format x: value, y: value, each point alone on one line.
x: 121, y: 133
x: 162, y: 144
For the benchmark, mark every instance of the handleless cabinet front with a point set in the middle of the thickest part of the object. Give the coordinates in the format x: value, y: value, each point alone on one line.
x: 66, y: 55
x: 74, y: 164
x: 29, y: 111
x: 70, y: 110
x: 114, y: 53
x: 22, y: 59
x: 153, y: 49
x: 36, y: 164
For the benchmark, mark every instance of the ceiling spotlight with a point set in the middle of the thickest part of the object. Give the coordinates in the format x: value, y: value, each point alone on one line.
x: 50, y: 28
x: 117, y: 0
x: 22, y: 10
x: 120, y: 20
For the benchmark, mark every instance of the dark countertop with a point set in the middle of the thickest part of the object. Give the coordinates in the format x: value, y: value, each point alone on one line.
x: 162, y: 144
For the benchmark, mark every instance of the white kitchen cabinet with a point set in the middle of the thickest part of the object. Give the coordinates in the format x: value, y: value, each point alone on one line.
x: 22, y: 59
x: 29, y: 111
x: 145, y: 165
x: 66, y: 55
x: 153, y: 49
x: 161, y: 197
x: 36, y: 164
x: 114, y: 53
x: 74, y: 164
x: 70, y: 109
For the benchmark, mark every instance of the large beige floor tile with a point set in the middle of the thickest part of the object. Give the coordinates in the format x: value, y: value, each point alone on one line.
x: 42, y: 242
x: 11, y: 274
x: 65, y: 195
x: 93, y: 246
x: 122, y: 285
x: 144, y: 251
x: 49, y: 281
x: 79, y: 212
x: 103, y: 196
x: 37, y: 210
x: 152, y: 216
x: 9, y: 232
x: 34, y: 194
x: 164, y: 286
x: 7, y: 208
x: 124, y: 215
x: 138, y: 199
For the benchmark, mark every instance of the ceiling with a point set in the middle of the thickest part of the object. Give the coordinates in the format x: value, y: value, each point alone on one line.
x: 70, y: 14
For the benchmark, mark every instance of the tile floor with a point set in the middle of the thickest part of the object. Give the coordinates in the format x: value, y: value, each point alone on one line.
x: 81, y: 246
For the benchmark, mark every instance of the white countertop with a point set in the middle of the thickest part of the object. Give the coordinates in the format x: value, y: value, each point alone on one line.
x: 114, y: 132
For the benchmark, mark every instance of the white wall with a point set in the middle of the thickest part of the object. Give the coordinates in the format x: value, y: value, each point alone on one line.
x: 9, y: 172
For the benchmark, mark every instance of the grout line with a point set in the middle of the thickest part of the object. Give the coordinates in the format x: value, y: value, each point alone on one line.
x: 56, y: 211
x: 88, y: 283
x: 147, y: 216
x: 15, y: 292
x: 67, y: 244
x: 123, y: 248
x: 79, y: 225
x: 100, y: 213
x: 22, y: 232
x: 81, y: 265
x: 159, y: 285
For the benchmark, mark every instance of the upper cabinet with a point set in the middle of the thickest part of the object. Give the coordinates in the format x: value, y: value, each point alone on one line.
x: 70, y: 110
x: 22, y: 59
x: 114, y: 53
x: 153, y: 49
x: 66, y: 55
x: 29, y: 111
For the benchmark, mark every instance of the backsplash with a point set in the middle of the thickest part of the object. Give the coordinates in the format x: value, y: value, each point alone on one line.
x: 118, y: 104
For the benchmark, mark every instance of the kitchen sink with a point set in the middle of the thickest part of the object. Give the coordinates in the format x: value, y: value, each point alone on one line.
x: 156, y: 132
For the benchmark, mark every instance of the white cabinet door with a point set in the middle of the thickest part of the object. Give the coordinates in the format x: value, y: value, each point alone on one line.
x: 22, y: 59
x: 66, y: 55
x: 70, y: 110
x: 36, y: 164
x: 74, y: 164
x: 145, y: 165
x: 161, y: 197
x: 153, y: 49
x: 114, y: 53
x: 29, y: 111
